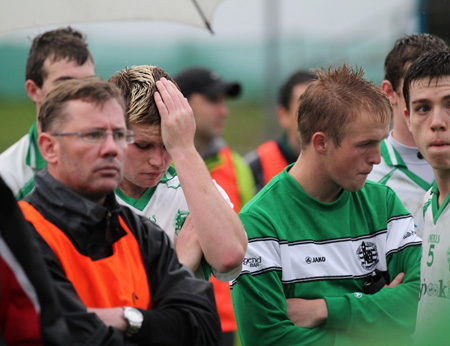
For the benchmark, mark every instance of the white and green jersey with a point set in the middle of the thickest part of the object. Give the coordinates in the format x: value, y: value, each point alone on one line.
x: 165, y: 204
x: 20, y: 162
x: 433, y: 314
x: 299, y: 247
x: 409, y: 187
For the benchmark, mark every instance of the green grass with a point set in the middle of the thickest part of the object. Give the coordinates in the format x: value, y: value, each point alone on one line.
x: 244, y: 131
x: 16, y: 118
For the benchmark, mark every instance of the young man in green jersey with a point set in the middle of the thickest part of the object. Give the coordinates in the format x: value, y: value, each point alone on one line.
x: 318, y: 233
x: 427, y: 96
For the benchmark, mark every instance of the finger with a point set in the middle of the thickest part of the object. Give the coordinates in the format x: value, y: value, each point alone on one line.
x: 166, y: 97
x: 397, y: 281
x: 160, y: 104
x: 174, y: 92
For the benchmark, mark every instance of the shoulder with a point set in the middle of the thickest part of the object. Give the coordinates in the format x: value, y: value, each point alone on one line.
x: 380, y: 197
x: 16, y: 151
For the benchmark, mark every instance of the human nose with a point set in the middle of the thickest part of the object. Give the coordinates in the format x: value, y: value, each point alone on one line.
x: 157, y: 157
x: 110, y: 145
x: 222, y: 109
x: 375, y: 155
x: 438, y: 121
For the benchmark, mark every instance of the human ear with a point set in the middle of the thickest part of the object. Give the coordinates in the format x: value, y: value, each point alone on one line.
x: 319, y: 141
x: 386, y: 86
x: 408, y: 118
x: 33, y: 91
x: 48, y: 147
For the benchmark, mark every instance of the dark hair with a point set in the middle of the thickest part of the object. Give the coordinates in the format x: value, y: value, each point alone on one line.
x: 63, y: 43
x: 138, y: 86
x: 433, y: 66
x: 92, y: 89
x: 405, y: 51
x: 335, y: 99
x: 285, y: 92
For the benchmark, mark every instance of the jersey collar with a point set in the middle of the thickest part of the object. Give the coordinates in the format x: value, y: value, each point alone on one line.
x: 34, y: 158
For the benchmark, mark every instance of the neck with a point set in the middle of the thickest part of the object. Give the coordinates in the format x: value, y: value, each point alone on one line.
x: 310, y: 174
x: 201, y: 145
x: 131, y: 190
x: 443, y: 183
x: 401, y: 132
x: 294, y: 142
x: 38, y: 124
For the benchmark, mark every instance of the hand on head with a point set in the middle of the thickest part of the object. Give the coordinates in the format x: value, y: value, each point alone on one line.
x: 177, y: 118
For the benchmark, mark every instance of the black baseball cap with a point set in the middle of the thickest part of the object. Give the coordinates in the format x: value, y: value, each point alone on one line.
x: 205, y: 82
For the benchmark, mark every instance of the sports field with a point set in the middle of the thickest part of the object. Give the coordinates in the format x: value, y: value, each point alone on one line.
x: 245, y: 129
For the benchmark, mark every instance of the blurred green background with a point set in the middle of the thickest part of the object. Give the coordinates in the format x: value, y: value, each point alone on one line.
x: 244, y: 129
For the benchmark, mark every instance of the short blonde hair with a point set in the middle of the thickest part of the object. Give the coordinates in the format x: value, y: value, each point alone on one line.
x: 138, y: 86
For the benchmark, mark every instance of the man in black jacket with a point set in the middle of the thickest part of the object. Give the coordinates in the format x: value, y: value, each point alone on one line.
x: 117, y: 275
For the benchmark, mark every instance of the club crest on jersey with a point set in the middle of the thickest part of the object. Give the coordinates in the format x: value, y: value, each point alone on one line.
x: 368, y: 255
x: 179, y: 219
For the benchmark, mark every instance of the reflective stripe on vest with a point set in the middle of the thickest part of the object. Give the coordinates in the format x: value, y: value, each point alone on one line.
x: 272, y: 160
x: 117, y: 280
x: 224, y: 174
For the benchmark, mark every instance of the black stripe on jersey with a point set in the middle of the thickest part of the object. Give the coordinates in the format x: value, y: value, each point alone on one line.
x: 399, y: 217
x: 416, y: 243
x: 327, y: 241
x: 324, y: 278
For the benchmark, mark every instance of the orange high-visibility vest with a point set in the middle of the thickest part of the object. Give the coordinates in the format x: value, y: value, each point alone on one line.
x: 224, y: 174
x: 272, y: 160
x: 117, y: 280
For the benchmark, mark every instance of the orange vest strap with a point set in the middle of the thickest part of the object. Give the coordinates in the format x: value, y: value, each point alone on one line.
x: 272, y: 160
x: 117, y: 280
x: 225, y: 175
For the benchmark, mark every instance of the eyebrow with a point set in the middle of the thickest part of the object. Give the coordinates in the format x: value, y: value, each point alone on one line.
x: 424, y: 100
x: 63, y: 78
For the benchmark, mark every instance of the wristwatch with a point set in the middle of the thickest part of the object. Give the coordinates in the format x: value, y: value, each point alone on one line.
x: 134, y: 318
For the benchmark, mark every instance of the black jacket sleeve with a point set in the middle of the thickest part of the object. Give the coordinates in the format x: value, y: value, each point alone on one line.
x: 184, y: 310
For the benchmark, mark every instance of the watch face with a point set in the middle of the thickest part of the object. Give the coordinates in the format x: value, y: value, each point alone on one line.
x: 134, y: 318
x: 134, y: 315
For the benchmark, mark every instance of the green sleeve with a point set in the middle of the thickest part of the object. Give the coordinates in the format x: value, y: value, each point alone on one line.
x: 259, y: 304
x: 391, y: 310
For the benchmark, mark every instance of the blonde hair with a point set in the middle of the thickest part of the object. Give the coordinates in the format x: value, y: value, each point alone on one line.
x: 138, y: 86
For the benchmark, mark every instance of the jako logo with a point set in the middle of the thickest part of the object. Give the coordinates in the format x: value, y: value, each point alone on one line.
x: 253, y: 262
x: 310, y: 260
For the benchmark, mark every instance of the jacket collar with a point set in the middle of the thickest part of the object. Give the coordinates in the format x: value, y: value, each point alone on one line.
x: 65, y: 207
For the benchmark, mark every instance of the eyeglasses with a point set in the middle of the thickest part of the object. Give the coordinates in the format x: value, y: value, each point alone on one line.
x: 99, y: 136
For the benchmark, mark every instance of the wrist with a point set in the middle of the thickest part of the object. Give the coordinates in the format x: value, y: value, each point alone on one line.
x: 133, y: 318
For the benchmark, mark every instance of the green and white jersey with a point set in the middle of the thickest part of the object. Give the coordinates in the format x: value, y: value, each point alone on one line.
x: 300, y: 247
x: 433, y: 313
x: 409, y: 187
x: 165, y: 204
x: 20, y: 162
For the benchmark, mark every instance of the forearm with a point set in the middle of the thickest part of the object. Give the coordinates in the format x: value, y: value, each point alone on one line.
x: 220, y: 232
x: 389, y: 310
x: 260, y: 309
